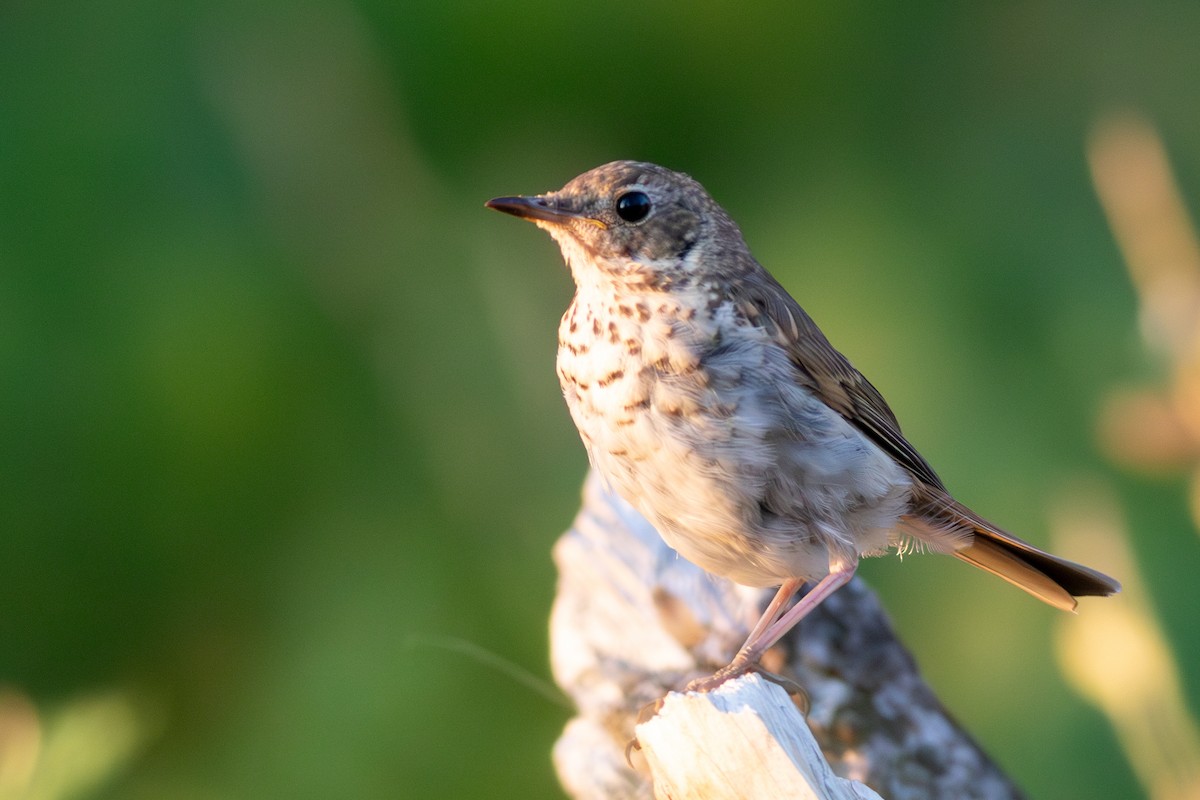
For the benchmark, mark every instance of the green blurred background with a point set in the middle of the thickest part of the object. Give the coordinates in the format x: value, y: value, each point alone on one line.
x: 277, y: 393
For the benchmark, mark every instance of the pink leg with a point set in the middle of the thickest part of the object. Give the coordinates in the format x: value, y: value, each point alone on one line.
x: 772, y: 626
x: 786, y: 592
x: 839, y: 575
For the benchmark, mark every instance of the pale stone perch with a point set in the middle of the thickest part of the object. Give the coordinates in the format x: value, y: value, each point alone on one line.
x: 633, y: 621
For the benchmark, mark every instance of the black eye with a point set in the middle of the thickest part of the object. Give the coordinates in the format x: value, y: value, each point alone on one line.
x: 633, y: 206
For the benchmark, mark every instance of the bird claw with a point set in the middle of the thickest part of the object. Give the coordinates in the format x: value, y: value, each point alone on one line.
x: 633, y: 745
x: 736, y: 670
x: 645, y: 714
x: 733, y: 670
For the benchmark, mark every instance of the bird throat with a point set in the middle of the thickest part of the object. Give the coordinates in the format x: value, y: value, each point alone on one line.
x: 622, y: 354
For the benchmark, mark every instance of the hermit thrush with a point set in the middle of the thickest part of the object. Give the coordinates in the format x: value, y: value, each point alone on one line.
x: 710, y: 401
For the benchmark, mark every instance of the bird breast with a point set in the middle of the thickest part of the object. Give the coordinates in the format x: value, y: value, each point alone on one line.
x: 692, y: 415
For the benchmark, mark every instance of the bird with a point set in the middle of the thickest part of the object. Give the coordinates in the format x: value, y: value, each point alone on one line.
x: 708, y: 399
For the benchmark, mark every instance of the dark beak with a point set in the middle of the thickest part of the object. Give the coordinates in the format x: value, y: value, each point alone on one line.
x: 537, y: 207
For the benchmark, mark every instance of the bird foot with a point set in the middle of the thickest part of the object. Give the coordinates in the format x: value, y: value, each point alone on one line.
x: 736, y: 669
x: 741, y: 667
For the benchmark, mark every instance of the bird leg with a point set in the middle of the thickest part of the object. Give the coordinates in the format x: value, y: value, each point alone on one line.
x: 774, y: 624
x: 839, y: 575
x: 774, y: 609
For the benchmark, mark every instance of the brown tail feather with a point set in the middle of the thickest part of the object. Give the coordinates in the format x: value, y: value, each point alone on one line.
x: 1047, y: 577
x: 994, y: 558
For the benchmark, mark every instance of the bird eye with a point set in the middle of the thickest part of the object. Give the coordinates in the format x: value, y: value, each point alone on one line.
x: 633, y: 206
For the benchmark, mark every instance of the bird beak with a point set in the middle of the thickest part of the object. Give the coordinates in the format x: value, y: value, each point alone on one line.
x: 538, y: 207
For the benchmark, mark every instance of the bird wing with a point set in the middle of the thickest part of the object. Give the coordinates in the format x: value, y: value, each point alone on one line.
x: 934, y: 513
x: 824, y: 371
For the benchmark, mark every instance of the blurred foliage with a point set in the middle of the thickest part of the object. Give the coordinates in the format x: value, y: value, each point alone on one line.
x: 277, y: 393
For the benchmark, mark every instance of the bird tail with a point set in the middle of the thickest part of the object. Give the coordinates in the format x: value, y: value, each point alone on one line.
x: 1047, y: 577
